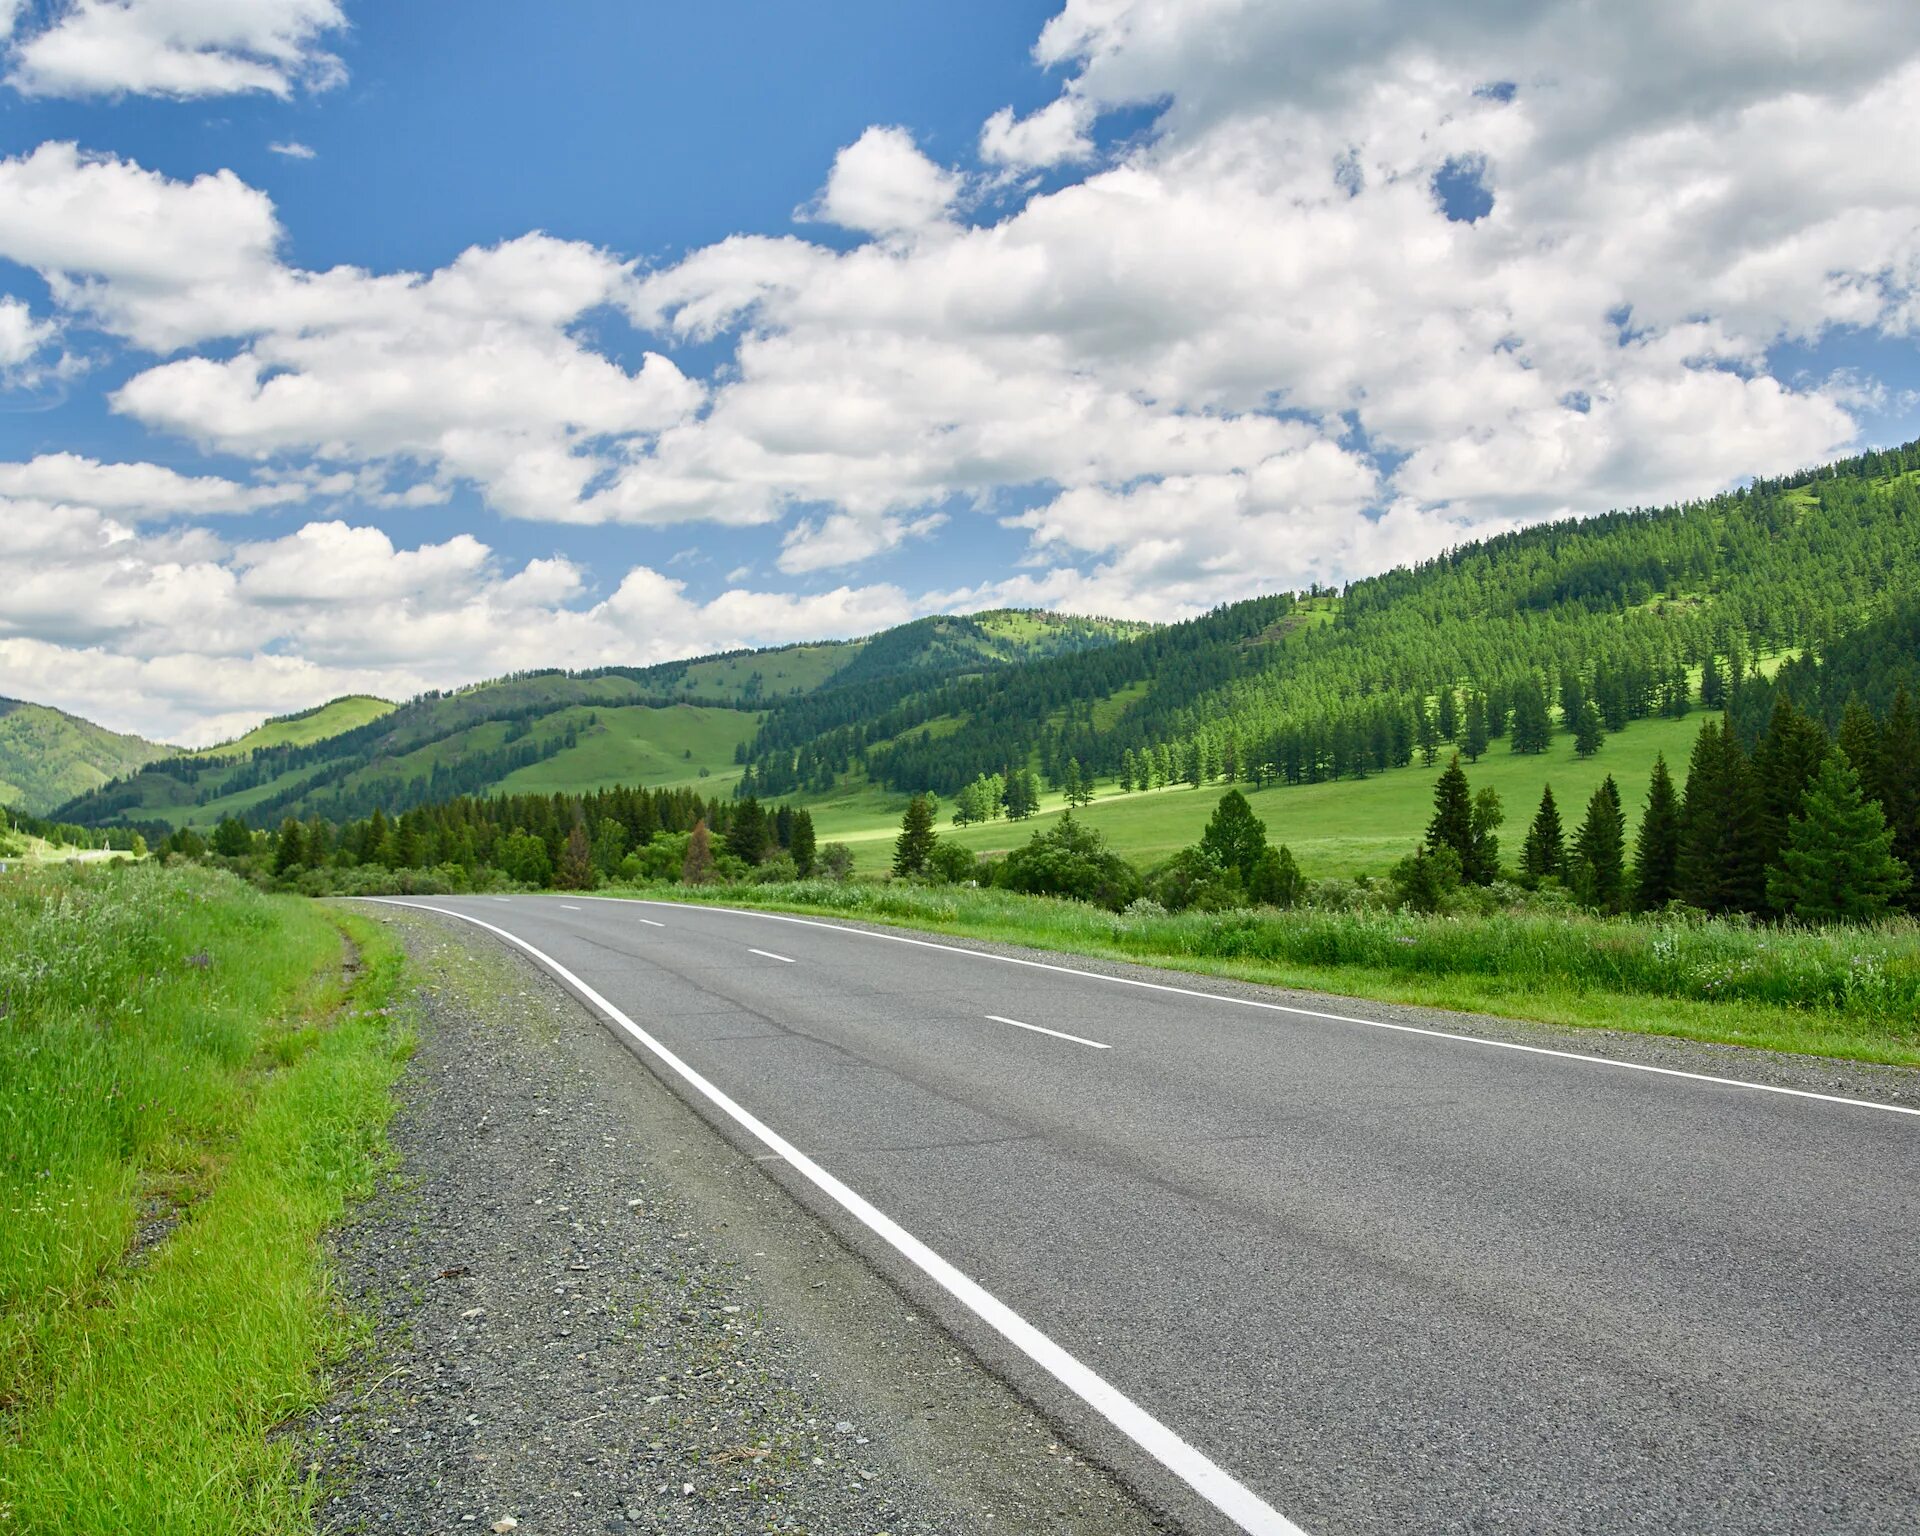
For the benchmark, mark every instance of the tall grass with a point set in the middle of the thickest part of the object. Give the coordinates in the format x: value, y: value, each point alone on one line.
x: 1851, y: 992
x: 190, y: 1090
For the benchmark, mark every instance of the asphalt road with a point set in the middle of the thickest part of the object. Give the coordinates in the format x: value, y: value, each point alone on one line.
x: 1382, y: 1280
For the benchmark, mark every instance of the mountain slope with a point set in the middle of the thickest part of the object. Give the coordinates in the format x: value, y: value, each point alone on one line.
x: 48, y: 756
x: 333, y: 718
x: 680, y: 722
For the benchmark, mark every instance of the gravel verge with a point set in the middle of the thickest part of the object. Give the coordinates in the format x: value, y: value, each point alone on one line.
x: 591, y: 1313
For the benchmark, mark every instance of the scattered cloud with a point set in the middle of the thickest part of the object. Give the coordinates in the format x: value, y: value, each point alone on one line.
x: 882, y: 184
x: 1375, y: 280
x: 177, y: 48
x: 293, y: 150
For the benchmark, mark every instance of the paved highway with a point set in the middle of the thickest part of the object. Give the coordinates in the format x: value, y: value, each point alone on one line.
x: 1287, y: 1271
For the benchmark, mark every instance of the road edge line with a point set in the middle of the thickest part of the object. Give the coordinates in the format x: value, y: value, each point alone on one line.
x: 1212, y: 1482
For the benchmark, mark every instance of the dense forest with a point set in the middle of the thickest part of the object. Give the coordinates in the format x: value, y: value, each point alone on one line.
x: 1582, y: 626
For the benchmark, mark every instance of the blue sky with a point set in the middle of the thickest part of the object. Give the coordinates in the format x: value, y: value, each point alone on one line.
x: 356, y: 347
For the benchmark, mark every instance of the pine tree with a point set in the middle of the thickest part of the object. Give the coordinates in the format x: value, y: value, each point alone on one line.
x: 747, y: 837
x: 1070, y: 783
x: 289, y: 848
x: 1544, y: 853
x: 1235, y: 837
x: 1449, y: 716
x: 914, y: 845
x: 1532, y: 726
x: 1897, y: 786
x: 1859, y: 738
x: 1784, y: 765
x: 1656, y: 861
x: 1838, y: 865
x: 1597, y: 863
x: 1426, y: 736
x: 1720, y: 868
x: 1478, y: 734
x: 1588, y: 729
x: 1452, y: 824
x: 802, y: 847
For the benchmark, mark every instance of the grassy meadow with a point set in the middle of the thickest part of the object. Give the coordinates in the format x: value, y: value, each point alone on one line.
x: 194, y: 1082
x: 1345, y: 827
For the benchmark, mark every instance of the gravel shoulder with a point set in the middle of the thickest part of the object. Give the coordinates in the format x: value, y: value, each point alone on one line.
x: 589, y: 1312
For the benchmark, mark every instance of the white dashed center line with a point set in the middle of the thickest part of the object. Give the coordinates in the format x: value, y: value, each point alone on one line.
x: 767, y: 954
x: 1056, y: 1033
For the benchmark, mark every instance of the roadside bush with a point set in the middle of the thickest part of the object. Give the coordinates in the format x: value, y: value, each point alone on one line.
x: 1071, y: 859
x: 952, y: 864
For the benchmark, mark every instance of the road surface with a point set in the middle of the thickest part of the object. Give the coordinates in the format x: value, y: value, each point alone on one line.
x: 1289, y: 1270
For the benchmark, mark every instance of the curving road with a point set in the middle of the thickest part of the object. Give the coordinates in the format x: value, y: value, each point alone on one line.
x: 1293, y: 1269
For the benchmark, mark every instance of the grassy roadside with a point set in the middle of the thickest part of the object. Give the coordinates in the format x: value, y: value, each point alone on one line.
x: 192, y: 1087
x: 1845, y: 992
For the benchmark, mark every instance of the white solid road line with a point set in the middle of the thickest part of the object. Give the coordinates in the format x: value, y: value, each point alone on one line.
x: 1056, y: 1033
x: 767, y: 954
x: 1212, y: 1482
x: 1303, y: 1013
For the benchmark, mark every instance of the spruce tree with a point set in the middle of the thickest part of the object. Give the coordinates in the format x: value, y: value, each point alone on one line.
x: 1478, y: 732
x: 803, y: 846
x: 1720, y: 868
x: 1544, y: 853
x: 1449, y: 715
x: 1588, y: 730
x: 1656, y: 862
x: 1452, y: 824
x: 1897, y: 786
x: 1859, y: 738
x: 1784, y: 765
x: 1532, y: 726
x: 1597, y: 863
x: 914, y: 845
x: 747, y: 836
x: 1838, y: 864
x: 1235, y: 837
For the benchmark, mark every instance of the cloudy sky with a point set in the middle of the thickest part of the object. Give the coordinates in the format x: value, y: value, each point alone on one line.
x: 357, y: 347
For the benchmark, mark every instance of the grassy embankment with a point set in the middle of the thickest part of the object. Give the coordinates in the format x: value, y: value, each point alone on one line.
x: 192, y: 1087
x: 1845, y: 992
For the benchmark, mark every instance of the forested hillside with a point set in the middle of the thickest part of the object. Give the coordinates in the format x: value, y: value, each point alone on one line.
x: 48, y: 756
x: 679, y: 724
x: 1590, y: 624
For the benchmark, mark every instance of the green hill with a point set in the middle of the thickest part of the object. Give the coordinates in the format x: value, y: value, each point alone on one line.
x: 309, y: 725
x: 679, y: 723
x: 47, y: 757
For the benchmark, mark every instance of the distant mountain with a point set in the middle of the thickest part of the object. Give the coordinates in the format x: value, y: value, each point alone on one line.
x: 684, y: 722
x: 47, y: 756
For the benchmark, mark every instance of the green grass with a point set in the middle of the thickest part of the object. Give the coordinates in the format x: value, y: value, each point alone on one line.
x: 1843, y: 992
x: 174, y: 1046
x: 330, y: 719
x: 793, y: 669
x: 1348, y: 827
x: 639, y: 745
